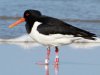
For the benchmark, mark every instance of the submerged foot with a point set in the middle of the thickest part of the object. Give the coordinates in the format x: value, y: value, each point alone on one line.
x: 46, y: 61
x: 56, y: 62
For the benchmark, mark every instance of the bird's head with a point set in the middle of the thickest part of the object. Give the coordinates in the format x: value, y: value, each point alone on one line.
x: 29, y: 17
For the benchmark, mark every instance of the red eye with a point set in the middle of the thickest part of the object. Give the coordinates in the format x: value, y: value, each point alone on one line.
x: 27, y: 14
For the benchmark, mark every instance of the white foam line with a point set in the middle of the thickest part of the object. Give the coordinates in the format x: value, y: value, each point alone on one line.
x: 24, y: 41
x: 84, y: 43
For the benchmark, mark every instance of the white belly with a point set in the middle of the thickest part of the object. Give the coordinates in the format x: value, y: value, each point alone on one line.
x: 50, y: 40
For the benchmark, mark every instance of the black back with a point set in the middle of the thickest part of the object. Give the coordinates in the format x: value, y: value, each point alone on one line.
x: 55, y: 26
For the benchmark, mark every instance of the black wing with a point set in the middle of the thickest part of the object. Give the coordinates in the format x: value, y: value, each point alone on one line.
x: 55, y: 26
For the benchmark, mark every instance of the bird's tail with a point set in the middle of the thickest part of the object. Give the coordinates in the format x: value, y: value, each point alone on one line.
x: 87, y: 35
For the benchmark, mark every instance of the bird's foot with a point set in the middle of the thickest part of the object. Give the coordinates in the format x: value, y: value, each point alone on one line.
x: 56, y: 61
x: 46, y: 61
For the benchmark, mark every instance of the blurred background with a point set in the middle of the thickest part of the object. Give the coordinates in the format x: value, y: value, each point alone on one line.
x: 71, y: 11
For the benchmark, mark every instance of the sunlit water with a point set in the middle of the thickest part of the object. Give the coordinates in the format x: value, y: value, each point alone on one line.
x: 19, y: 53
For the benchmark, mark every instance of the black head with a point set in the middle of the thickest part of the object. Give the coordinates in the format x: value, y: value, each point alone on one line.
x: 30, y: 17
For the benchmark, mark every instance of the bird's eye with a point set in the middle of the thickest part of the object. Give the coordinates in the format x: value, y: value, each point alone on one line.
x: 27, y: 14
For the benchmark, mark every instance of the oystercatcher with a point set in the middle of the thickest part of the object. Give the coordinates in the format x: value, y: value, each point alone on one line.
x: 50, y: 31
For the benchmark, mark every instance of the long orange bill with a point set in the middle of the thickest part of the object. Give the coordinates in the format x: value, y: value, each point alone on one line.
x: 17, y: 22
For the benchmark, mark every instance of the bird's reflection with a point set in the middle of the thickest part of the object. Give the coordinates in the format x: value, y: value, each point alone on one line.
x: 56, y: 69
x: 47, y: 70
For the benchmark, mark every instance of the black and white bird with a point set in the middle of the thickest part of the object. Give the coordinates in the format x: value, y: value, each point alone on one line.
x: 50, y: 31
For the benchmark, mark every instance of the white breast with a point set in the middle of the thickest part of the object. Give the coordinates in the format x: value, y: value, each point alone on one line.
x: 50, y: 40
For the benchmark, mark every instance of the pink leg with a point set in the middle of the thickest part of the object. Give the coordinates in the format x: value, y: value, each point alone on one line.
x: 56, y: 57
x: 48, y: 56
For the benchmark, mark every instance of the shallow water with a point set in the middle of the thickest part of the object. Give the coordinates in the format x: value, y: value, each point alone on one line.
x: 15, y: 60
x: 19, y: 57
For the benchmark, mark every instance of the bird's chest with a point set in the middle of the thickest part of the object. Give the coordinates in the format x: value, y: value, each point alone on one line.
x: 35, y: 33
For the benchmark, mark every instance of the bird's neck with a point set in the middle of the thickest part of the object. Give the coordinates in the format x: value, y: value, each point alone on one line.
x: 29, y: 26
